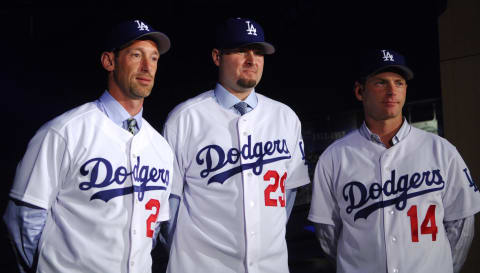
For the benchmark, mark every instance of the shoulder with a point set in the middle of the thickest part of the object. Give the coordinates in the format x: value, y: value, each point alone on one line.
x: 433, y: 141
x: 66, y: 125
x: 351, y: 139
x: 156, y: 139
x: 350, y: 142
x: 197, y: 102
x: 74, y: 118
x: 277, y: 107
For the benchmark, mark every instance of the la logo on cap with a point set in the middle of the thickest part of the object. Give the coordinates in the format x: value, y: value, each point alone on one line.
x: 387, y: 56
x: 251, y: 30
x: 141, y: 25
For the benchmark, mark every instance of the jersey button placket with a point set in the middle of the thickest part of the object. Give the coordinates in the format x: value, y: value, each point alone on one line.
x: 251, y: 188
x: 389, y: 215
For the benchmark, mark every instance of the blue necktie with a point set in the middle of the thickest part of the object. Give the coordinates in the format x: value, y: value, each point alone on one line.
x: 132, y: 126
x: 241, y: 107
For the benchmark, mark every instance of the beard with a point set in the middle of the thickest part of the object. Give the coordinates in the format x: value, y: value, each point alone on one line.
x: 244, y: 83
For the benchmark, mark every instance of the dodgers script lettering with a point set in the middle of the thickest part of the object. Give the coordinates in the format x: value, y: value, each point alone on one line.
x: 215, y: 158
x: 357, y: 194
x: 140, y: 174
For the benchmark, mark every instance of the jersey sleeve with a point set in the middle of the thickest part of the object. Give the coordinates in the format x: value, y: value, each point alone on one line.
x: 324, y: 207
x: 164, y: 214
x: 171, y: 134
x: 297, y: 167
x: 42, y: 170
x: 462, y: 196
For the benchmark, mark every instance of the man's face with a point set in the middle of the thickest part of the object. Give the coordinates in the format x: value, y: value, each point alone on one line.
x: 135, y: 68
x: 383, y: 96
x: 240, y: 69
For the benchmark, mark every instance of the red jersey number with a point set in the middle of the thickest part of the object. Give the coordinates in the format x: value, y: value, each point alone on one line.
x: 152, y: 203
x: 428, y: 226
x: 278, y: 181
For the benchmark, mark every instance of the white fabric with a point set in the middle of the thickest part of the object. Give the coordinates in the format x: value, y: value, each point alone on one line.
x: 71, y: 167
x: 354, y: 174
x: 460, y: 235
x: 224, y: 224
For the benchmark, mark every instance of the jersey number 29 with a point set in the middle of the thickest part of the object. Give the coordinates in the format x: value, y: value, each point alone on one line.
x: 273, y: 188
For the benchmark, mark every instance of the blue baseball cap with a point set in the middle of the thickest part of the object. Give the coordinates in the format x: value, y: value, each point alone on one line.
x: 241, y: 32
x: 377, y: 61
x: 128, y: 31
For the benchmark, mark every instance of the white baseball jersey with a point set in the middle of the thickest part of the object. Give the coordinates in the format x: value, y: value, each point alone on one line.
x: 392, y: 202
x: 105, y: 190
x: 232, y: 174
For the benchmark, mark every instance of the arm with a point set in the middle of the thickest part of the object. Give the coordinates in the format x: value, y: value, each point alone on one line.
x: 328, y: 235
x: 167, y: 228
x: 460, y: 235
x: 25, y: 224
x: 290, y: 195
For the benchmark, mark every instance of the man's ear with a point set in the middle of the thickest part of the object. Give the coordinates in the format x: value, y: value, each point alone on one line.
x: 358, y: 88
x: 108, y: 61
x: 216, y: 55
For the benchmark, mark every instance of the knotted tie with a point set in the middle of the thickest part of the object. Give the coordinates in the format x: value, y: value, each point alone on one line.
x: 132, y: 126
x: 241, y: 107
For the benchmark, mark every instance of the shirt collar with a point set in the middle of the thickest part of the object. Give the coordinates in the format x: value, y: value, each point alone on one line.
x: 115, y: 111
x: 227, y: 100
x: 401, y: 134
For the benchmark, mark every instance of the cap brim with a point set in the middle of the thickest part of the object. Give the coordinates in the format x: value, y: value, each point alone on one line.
x: 408, y: 73
x: 266, y: 47
x: 162, y: 40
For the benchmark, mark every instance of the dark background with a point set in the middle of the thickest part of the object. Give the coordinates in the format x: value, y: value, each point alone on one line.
x: 51, y: 63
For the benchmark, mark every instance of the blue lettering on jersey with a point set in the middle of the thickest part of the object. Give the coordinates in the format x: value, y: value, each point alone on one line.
x: 141, y: 174
x: 300, y: 144
x: 470, y: 180
x: 215, y: 158
x: 357, y: 194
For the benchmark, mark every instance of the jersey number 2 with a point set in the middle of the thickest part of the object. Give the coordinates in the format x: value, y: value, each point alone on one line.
x: 428, y: 226
x: 152, y: 203
x: 273, y: 188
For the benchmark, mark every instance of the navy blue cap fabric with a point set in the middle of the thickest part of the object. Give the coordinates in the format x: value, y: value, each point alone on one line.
x: 376, y: 61
x: 131, y: 30
x: 241, y: 32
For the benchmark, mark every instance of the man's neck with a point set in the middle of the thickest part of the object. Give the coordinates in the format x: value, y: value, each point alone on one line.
x: 133, y: 106
x: 240, y: 94
x: 385, y: 129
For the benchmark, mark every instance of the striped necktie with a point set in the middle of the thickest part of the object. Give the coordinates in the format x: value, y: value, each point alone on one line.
x: 241, y: 107
x: 132, y: 126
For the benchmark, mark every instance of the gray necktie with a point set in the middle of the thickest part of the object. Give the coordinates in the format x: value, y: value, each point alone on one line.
x: 241, y: 107
x: 132, y: 126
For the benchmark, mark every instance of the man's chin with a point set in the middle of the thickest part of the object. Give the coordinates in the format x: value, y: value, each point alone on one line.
x: 143, y: 92
x: 244, y: 83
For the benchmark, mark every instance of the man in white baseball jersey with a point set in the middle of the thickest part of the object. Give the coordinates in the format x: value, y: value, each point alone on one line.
x: 389, y: 197
x: 239, y: 157
x: 94, y: 182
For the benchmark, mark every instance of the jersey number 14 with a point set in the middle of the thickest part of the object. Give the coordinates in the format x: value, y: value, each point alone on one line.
x: 428, y: 226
